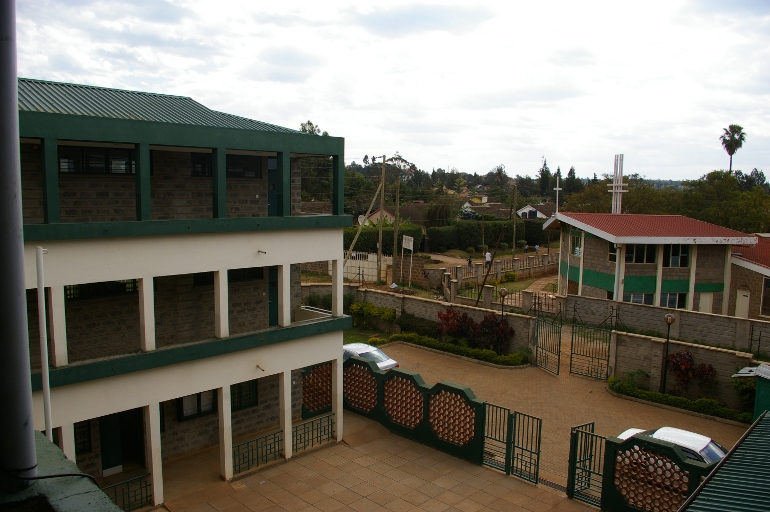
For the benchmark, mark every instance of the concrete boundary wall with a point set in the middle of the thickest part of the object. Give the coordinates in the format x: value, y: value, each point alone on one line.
x: 689, y: 326
x: 634, y: 352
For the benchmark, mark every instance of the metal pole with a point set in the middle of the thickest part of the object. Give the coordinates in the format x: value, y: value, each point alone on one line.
x: 41, y: 324
x: 665, y: 362
x: 17, y: 434
x: 382, y: 221
x: 395, y: 225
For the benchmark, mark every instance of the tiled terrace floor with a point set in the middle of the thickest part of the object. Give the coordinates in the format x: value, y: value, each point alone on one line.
x: 374, y: 470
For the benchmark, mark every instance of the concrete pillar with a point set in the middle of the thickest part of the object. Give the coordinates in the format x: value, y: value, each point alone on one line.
x: 284, y: 295
x: 498, y: 270
x: 453, y: 291
x: 337, y: 376
x: 527, y: 296
x: 67, y: 441
x: 693, y: 264
x: 284, y: 398
x: 613, y: 357
x: 621, y: 255
x: 487, y: 296
x: 152, y: 439
x: 479, y: 271
x: 582, y: 252
x: 531, y: 265
x: 728, y: 275
x: 147, y: 313
x: 516, y: 264
x: 659, y: 275
x: 221, y: 306
x: 57, y: 325
x: 225, y: 433
x: 337, y: 287
x: 458, y: 273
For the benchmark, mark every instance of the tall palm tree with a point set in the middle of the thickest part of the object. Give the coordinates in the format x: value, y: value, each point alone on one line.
x: 732, y: 140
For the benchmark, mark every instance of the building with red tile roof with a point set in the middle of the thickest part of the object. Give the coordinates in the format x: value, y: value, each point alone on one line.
x: 750, y: 285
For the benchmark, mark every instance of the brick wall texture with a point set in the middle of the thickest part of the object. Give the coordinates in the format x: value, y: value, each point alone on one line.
x: 32, y: 183
x: 743, y: 278
x: 174, y: 193
x: 184, y: 311
x: 418, y: 271
x: 247, y: 197
x: 97, y: 198
x: 34, y: 333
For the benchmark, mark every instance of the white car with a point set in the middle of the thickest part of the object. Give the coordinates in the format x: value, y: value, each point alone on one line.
x: 369, y: 353
x: 694, y: 446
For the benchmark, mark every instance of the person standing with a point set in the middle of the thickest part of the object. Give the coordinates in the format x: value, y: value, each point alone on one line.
x: 470, y: 263
x: 537, y: 248
x: 488, y: 257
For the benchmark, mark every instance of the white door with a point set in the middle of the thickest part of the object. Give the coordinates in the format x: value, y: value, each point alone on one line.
x: 706, y: 302
x: 742, y: 303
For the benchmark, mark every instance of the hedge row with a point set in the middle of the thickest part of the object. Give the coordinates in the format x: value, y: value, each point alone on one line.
x: 367, y: 241
x: 411, y: 323
x: 489, y: 356
x: 702, y: 405
x: 467, y: 233
x: 365, y: 310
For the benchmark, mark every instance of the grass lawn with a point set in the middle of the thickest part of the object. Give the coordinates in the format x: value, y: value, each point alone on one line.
x: 359, y: 335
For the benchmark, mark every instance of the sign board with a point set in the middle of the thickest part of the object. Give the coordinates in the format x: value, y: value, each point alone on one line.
x: 408, y: 243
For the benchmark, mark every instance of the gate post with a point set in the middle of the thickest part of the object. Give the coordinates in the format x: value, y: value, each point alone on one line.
x: 572, y: 461
x: 488, y: 292
x: 509, y: 437
x: 526, y: 299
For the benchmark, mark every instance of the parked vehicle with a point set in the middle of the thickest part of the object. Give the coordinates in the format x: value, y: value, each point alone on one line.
x: 369, y: 353
x: 694, y: 446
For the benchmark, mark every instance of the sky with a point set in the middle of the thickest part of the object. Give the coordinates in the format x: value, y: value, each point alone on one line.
x: 465, y: 85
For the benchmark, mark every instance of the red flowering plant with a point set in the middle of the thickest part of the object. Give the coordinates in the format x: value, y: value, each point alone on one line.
x: 682, y: 366
x: 457, y: 325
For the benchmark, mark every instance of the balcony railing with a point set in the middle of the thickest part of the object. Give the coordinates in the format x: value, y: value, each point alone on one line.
x: 313, y: 432
x: 260, y: 450
x: 131, y: 494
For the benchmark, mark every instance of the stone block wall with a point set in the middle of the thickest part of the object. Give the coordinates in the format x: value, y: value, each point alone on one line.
x: 417, y: 269
x: 97, y: 197
x: 184, y: 311
x: 32, y: 183
x: 34, y: 333
x: 743, y: 278
x: 316, y: 267
x: 247, y: 197
x: 181, y: 438
x: 635, y: 352
x: 596, y: 255
x: 248, y: 305
x: 174, y: 193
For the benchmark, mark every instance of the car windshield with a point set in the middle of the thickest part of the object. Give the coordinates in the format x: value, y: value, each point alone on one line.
x: 712, y: 453
x: 375, y: 355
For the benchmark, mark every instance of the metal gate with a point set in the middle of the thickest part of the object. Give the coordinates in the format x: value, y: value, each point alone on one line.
x: 548, y: 342
x: 496, y: 441
x: 524, y: 458
x: 586, y: 465
x: 590, y: 348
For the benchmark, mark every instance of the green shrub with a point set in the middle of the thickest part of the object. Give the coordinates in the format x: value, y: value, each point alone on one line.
x: 746, y: 389
x: 470, y: 250
x: 510, y: 277
x: 363, y: 311
x: 411, y: 323
x: 325, y: 301
x: 503, y: 246
x: 521, y: 243
x: 516, y: 359
x: 702, y: 405
x: 376, y: 341
x: 483, y: 248
x: 441, y: 238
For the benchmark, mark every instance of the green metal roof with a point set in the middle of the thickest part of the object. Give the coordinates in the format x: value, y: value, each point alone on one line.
x: 88, y: 100
x: 741, y: 482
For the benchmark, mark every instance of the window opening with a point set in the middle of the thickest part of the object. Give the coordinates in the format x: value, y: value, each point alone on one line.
x: 83, y: 437
x: 99, y: 290
x: 243, y: 395
x: 676, y: 255
x: 76, y: 159
x: 197, y: 405
x: 640, y: 253
x: 638, y: 298
x: 673, y: 300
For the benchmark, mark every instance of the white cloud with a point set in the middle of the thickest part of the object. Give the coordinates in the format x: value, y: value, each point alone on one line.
x: 445, y: 83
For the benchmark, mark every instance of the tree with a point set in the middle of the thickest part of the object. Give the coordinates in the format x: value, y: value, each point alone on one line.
x: 572, y: 184
x: 732, y: 140
x: 544, y: 179
x: 312, y: 129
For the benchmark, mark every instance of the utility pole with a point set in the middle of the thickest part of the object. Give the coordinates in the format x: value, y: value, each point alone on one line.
x: 395, y: 223
x: 18, y: 459
x: 382, y: 221
x: 515, y: 215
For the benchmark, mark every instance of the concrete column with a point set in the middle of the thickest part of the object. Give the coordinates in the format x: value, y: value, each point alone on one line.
x: 516, y: 264
x: 152, y: 438
x: 479, y: 268
x: 337, y: 287
x: 487, y: 296
x: 458, y: 274
x: 693, y: 265
x: 659, y: 276
x: 147, y: 313
x: 453, y: 291
x: 67, y: 441
x: 582, y: 252
x: 225, y: 434
x: 558, y: 266
x: 728, y: 274
x: 337, y: 376
x: 57, y: 325
x: 221, y: 306
x: 531, y: 265
x: 621, y: 254
x: 284, y: 295
x: 526, y: 299
x: 498, y: 269
x: 284, y: 398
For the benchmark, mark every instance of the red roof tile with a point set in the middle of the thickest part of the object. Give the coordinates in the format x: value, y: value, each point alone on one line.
x: 759, y: 254
x: 653, y: 226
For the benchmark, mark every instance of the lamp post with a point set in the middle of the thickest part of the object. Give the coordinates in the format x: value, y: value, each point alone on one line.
x: 669, y: 319
x: 503, y: 292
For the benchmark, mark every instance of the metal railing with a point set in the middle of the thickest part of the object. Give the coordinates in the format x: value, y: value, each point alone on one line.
x: 524, y: 448
x: 260, y: 450
x: 586, y: 465
x: 496, y: 438
x: 131, y: 494
x: 312, y: 432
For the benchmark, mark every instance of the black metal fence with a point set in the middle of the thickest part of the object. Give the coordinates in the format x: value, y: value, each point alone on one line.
x: 496, y: 440
x: 260, y: 450
x: 313, y: 432
x: 526, y: 432
x: 131, y: 494
x: 548, y: 342
x: 586, y: 465
x: 590, y: 349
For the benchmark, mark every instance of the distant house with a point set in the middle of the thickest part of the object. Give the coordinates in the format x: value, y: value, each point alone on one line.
x: 663, y: 260
x: 497, y: 210
x: 750, y: 284
x: 414, y: 212
x: 537, y: 211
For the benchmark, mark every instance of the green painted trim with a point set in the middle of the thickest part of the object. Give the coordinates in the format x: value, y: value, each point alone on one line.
x: 639, y: 284
x: 572, y: 232
x: 564, y: 268
x: 73, y: 374
x: 675, y: 286
x: 598, y: 279
x: 72, y: 231
x: 219, y: 182
x: 50, y: 180
x: 574, y: 273
x: 284, y: 184
x: 590, y: 235
x: 709, y: 287
x: 338, y: 185
x: 142, y: 174
x: 101, y: 129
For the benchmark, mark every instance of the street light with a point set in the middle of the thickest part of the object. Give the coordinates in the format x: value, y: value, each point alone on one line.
x: 503, y: 292
x: 669, y: 319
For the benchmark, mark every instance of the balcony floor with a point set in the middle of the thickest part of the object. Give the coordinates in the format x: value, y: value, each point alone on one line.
x: 372, y: 470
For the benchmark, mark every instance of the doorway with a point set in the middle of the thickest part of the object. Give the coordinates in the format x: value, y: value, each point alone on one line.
x: 121, y: 439
x: 706, y: 302
x: 742, y: 303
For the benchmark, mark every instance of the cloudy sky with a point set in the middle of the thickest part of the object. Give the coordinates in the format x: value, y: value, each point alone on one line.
x: 447, y: 84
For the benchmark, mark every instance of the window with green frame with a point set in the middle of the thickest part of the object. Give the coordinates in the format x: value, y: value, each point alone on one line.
x: 85, y: 160
x: 197, y: 405
x: 243, y: 395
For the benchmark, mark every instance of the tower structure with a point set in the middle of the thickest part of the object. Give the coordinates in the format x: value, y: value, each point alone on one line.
x: 618, y: 187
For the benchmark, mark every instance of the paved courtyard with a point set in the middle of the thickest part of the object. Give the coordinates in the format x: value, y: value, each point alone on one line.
x: 374, y: 470
x: 561, y: 401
